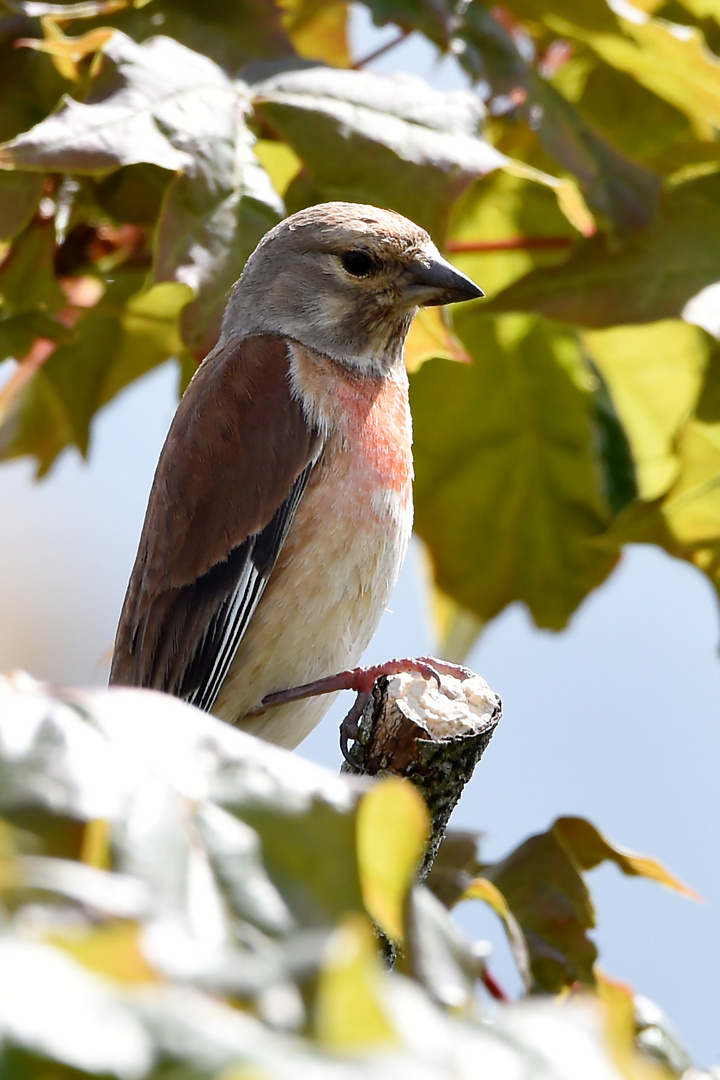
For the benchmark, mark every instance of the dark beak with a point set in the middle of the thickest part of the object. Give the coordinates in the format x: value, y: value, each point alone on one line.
x: 435, y: 281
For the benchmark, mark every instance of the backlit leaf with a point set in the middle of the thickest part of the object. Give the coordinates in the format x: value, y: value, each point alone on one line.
x: 318, y: 29
x: 482, y: 889
x: 622, y: 192
x: 122, y: 337
x: 653, y: 374
x: 672, y: 61
x: 506, y: 495
x: 600, y: 285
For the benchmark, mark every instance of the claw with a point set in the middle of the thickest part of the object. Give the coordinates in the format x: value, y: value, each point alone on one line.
x: 350, y: 727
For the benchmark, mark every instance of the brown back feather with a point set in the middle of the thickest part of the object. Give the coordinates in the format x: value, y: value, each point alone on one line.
x: 235, y: 449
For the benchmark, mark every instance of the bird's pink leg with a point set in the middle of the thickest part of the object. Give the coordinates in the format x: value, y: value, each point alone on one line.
x: 361, y: 680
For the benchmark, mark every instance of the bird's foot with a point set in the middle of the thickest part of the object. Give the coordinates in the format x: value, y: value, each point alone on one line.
x: 361, y: 680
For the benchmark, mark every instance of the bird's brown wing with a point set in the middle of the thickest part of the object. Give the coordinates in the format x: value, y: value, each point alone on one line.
x: 231, y: 474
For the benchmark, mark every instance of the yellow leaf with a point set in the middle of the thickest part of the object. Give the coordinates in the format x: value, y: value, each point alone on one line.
x: 350, y: 1014
x: 279, y: 161
x: 66, y: 52
x: 620, y: 1032
x: 568, y: 194
x: 96, y: 844
x: 482, y: 889
x: 588, y: 847
x: 430, y: 335
x: 111, y: 950
x: 149, y: 327
x: 392, y: 830
x: 318, y: 29
x: 692, y: 508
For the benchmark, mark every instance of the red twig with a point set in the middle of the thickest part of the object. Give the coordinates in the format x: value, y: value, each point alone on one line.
x: 493, y: 987
x: 512, y: 243
x: 381, y: 51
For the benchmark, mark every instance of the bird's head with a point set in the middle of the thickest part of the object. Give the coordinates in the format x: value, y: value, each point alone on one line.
x: 345, y: 280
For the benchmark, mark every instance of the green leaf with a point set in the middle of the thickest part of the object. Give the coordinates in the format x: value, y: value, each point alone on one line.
x: 620, y: 486
x: 133, y: 193
x: 641, y: 124
x: 545, y: 892
x: 600, y: 285
x: 455, y: 865
x: 456, y: 628
x: 562, y: 16
x: 230, y: 34
x: 412, y: 148
x: 672, y: 61
x: 27, y: 276
x: 214, y: 215
x: 146, y: 333
x: 64, y: 1013
x: 171, y: 963
x: 19, y: 333
x: 167, y: 106
x: 505, y: 208
x: 542, y: 884
x: 122, y: 337
x: 436, y: 19
x: 686, y: 522
x: 506, y: 491
x: 19, y: 197
x: 141, y: 91
x: 320, y: 890
x: 29, y: 83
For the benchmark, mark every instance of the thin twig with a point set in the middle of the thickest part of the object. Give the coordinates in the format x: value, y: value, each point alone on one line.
x: 512, y: 243
x: 381, y: 51
x: 493, y: 987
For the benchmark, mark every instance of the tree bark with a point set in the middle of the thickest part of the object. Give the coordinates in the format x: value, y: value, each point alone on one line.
x: 433, y: 736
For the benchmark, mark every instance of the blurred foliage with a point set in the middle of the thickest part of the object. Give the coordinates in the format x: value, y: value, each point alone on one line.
x: 248, y: 949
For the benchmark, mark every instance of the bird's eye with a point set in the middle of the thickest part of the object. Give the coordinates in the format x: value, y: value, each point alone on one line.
x: 357, y: 263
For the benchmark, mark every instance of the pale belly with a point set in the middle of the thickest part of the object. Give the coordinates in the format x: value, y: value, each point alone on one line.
x: 323, y: 601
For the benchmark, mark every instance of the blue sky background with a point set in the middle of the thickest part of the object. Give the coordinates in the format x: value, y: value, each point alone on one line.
x: 616, y: 719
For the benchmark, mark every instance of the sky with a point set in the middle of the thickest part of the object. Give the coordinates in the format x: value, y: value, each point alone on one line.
x: 615, y: 719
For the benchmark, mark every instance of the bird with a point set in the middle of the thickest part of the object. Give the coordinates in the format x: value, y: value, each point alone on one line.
x: 281, y: 507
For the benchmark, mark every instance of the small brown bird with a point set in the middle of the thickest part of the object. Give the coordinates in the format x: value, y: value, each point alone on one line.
x: 281, y: 507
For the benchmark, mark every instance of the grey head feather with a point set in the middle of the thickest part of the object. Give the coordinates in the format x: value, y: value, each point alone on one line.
x: 342, y: 279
